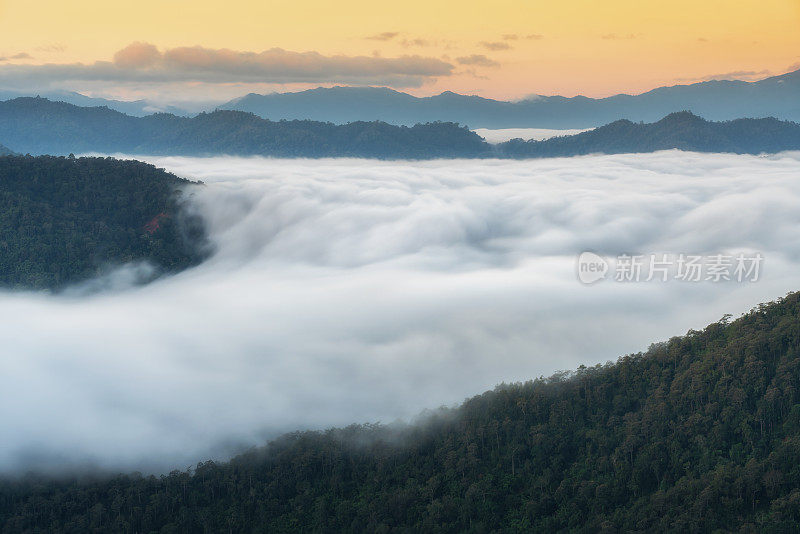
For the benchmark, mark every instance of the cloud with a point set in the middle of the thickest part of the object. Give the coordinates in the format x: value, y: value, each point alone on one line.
x: 515, y: 37
x: 20, y: 55
x: 616, y: 37
x: 744, y: 75
x: 478, y: 60
x: 144, y: 63
x: 445, y: 44
x: 56, y: 47
x: 495, y: 45
x: 415, y: 42
x: 355, y: 290
x: 502, y: 135
x: 385, y: 36
x: 473, y: 73
x: 137, y: 55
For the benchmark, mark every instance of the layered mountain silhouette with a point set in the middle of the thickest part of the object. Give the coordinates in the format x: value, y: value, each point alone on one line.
x: 776, y: 96
x: 5, y: 151
x: 137, y: 108
x: 39, y: 126
x: 682, y: 130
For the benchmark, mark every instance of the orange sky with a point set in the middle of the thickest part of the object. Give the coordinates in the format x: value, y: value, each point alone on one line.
x: 503, y: 49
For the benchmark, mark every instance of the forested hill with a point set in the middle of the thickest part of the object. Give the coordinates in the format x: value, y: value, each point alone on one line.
x: 683, y: 130
x: 699, y: 434
x: 64, y: 220
x: 39, y: 126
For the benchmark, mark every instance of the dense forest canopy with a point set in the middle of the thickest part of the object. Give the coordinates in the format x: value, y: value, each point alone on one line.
x: 39, y: 126
x: 698, y: 434
x: 65, y: 219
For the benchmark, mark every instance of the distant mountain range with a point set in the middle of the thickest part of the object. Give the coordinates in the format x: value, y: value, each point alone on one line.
x: 682, y: 130
x: 137, y: 108
x: 39, y: 126
x: 5, y: 151
x: 778, y: 97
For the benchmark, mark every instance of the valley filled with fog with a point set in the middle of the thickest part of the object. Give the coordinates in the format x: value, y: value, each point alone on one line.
x: 501, y: 135
x: 348, y: 291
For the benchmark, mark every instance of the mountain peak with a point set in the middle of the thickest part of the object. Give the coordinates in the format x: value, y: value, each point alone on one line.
x: 681, y: 117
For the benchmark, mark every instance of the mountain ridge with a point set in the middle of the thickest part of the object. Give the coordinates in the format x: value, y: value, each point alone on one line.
x: 681, y: 130
x: 715, y: 100
x: 39, y: 126
x: 136, y: 108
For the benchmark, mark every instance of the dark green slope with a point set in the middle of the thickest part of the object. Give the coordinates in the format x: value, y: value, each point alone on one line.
x: 700, y: 434
x: 64, y: 220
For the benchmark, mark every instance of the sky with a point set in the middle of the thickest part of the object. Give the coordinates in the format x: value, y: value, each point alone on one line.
x: 170, y: 50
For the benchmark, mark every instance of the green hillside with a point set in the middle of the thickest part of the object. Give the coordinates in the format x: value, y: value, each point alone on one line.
x: 699, y: 434
x: 64, y: 220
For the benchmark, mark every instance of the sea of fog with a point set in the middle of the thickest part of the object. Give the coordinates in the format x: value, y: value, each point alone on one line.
x: 502, y: 135
x: 359, y: 291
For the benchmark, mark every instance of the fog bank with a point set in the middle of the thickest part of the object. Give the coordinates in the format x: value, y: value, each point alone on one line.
x: 353, y: 290
x: 501, y: 135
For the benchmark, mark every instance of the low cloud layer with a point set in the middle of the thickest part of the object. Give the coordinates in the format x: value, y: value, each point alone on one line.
x: 145, y: 63
x: 744, y: 75
x: 350, y: 290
